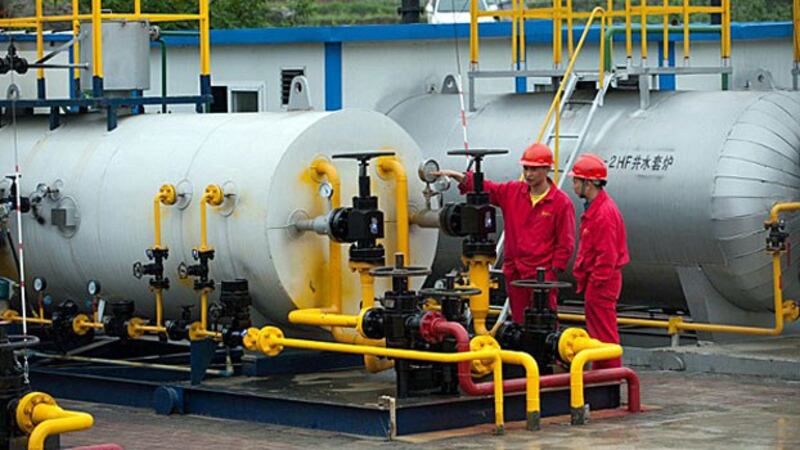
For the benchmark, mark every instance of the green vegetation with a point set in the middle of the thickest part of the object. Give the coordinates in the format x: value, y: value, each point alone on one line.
x: 289, y: 13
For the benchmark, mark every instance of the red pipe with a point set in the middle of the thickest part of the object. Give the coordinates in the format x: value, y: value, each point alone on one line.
x: 442, y: 328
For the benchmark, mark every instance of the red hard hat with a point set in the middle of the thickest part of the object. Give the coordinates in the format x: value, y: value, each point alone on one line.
x: 537, y: 155
x: 589, y: 167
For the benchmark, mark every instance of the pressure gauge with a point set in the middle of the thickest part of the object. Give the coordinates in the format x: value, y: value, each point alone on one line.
x: 93, y: 287
x: 325, y: 190
x: 39, y: 284
x: 195, y: 253
x: 183, y: 271
x: 426, y: 170
x: 149, y: 253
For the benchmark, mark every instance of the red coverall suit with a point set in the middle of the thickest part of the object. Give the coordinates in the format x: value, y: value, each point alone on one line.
x: 602, y: 251
x: 535, y: 236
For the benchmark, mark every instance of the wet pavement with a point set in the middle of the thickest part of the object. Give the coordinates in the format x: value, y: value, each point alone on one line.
x: 683, y: 410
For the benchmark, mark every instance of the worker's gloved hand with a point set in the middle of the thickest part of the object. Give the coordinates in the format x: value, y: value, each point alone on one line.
x: 458, y: 176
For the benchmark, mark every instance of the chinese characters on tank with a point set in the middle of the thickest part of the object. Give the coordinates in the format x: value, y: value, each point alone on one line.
x: 642, y: 163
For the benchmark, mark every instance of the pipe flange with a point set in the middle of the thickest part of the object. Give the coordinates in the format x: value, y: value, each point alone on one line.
x: 25, y: 407
x: 9, y: 315
x: 566, y: 343
x: 482, y: 367
x: 196, y: 332
x: 169, y: 195
x: 79, y: 324
x: 184, y: 190
x: 250, y: 339
x: 135, y: 328
x: 791, y: 310
x: 267, y: 338
x: 427, y: 325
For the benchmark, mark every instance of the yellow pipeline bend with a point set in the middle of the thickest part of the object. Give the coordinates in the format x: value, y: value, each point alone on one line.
x: 782, y: 207
x: 598, y: 353
x: 38, y: 414
x: 388, y: 167
x: 532, y: 406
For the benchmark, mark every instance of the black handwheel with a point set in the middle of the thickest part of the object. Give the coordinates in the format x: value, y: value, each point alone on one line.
x: 541, y: 284
x: 455, y: 292
x: 19, y: 341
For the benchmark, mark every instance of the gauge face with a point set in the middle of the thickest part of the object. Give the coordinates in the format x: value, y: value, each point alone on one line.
x: 426, y: 170
x: 39, y: 284
x: 93, y: 287
x: 183, y: 271
x: 195, y: 254
x: 325, y: 190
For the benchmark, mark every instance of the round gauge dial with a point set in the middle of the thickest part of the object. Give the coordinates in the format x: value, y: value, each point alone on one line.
x: 39, y: 284
x: 426, y: 170
x: 93, y: 287
x: 325, y: 190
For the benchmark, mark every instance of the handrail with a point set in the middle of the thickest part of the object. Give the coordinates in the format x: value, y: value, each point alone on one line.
x: 555, y: 105
x: 561, y: 12
x: 96, y: 17
x: 796, y: 40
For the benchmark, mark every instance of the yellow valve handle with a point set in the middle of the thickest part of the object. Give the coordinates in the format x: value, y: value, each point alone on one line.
x: 267, y: 338
x: 25, y: 407
x: 567, y: 342
x: 196, y: 332
x: 483, y: 367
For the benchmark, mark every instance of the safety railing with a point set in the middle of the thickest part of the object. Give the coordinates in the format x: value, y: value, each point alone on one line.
x: 96, y: 16
x: 563, y: 13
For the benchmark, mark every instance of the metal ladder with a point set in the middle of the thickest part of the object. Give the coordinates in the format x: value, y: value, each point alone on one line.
x: 579, y: 137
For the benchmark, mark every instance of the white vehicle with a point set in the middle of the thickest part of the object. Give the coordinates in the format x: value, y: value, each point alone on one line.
x: 456, y: 11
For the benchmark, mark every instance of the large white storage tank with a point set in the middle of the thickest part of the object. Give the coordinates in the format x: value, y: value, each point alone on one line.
x: 109, y: 179
x: 695, y: 176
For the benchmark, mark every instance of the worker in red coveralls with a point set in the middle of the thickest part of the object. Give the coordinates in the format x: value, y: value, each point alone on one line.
x: 539, y: 224
x: 602, y: 251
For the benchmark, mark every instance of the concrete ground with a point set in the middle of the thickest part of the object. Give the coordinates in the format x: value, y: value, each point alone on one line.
x: 683, y: 410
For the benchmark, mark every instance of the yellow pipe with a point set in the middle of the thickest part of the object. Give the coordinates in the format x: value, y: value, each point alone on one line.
x: 643, y: 35
x: 628, y: 30
x: 521, y: 29
x: 592, y: 350
x: 167, y: 195
x: 602, y: 71
x: 204, y: 309
x: 38, y: 415
x: 783, y: 310
x: 137, y: 7
x: 499, y: 414
x: 321, y: 318
x: 12, y: 316
x: 796, y: 41
x: 76, y: 31
x: 686, y: 35
x: 532, y: 402
x: 515, y: 18
x: 568, y: 71
x: 726, y: 29
x: 473, y: 32
x: 213, y: 196
x: 479, y: 277
x: 388, y: 167
x: 97, y: 38
x: 205, y: 38
x: 556, y: 32
x: 270, y: 341
x: 665, y: 35
x: 570, y: 33
x: 322, y: 170
x: 39, y: 37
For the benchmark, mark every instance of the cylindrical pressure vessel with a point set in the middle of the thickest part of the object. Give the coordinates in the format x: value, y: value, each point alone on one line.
x: 695, y: 175
x: 100, y: 220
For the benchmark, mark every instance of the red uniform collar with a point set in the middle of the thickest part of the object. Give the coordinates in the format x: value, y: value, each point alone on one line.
x: 601, y: 198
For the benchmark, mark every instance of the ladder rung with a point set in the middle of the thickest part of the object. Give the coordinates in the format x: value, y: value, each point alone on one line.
x: 580, y: 102
x: 565, y: 136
